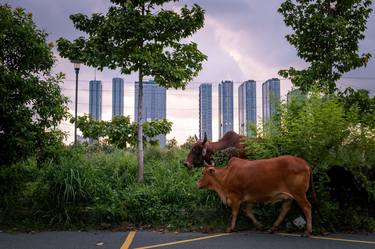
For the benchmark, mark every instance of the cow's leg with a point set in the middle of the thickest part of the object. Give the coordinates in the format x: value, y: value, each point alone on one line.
x: 250, y: 214
x: 306, y: 208
x: 235, y: 205
x: 285, y: 207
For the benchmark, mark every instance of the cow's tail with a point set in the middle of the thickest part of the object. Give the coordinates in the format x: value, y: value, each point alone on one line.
x: 316, y: 201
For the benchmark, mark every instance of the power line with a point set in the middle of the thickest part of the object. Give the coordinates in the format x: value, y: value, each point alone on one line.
x: 234, y: 81
x: 169, y: 108
x: 188, y: 83
x: 355, y: 87
x: 358, y: 78
x: 128, y: 91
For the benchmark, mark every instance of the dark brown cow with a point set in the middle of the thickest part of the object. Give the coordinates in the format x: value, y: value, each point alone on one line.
x: 284, y: 178
x: 202, y: 151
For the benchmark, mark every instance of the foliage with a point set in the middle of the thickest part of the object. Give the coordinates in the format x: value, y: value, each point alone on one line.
x: 93, y: 184
x: 31, y: 103
x: 133, y: 37
x: 189, y: 143
x: 14, y: 181
x: 172, y: 144
x: 140, y: 36
x: 362, y: 102
x: 327, y: 136
x: 92, y: 128
x: 222, y: 157
x: 326, y: 35
x: 120, y: 131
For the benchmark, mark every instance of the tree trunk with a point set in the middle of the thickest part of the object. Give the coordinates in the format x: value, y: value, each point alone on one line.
x: 140, y: 128
x: 140, y: 119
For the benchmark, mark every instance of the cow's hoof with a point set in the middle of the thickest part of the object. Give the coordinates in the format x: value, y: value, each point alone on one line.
x: 229, y: 230
x: 271, y: 230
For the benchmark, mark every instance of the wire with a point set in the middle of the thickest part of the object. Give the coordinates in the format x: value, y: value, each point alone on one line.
x: 188, y: 83
x: 358, y: 78
x: 234, y: 81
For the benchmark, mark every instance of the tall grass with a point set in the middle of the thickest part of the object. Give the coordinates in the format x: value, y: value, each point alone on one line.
x: 90, y: 186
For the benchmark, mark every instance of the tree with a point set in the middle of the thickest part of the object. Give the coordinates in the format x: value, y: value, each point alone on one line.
x: 31, y: 103
x: 120, y: 131
x: 363, y: 104
x: 140, y: 36
x: 326, y: 35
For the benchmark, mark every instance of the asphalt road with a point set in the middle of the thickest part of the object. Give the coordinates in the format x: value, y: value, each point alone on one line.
x: 148, y: 239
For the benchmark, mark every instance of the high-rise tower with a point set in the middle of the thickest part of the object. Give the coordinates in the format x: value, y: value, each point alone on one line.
x: 154, y: 104
x: 270, y: 98
x: 247, y: 106
x: 205, y: 111
x: 225, y: 107
x: 117, y: 97
x: 95, y: 99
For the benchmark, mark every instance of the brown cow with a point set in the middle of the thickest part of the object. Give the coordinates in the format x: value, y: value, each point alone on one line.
x: 284, y: 178
x: 201, y: 152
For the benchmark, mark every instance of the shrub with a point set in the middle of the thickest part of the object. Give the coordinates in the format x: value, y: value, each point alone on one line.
x: 222, y: 157
x: 14, y: 181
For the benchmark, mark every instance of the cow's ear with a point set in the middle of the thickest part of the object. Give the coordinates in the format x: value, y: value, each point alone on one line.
x: 205, y: 138
x: 211, y: 171
x: 204, y: 152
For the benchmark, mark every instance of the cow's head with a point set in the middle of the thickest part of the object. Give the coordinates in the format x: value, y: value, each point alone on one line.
x: 197, y: 154
x: 207, y: 178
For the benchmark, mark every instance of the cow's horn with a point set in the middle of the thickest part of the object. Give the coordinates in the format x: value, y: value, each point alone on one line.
x: 205, y: 138
x: 196, y: 138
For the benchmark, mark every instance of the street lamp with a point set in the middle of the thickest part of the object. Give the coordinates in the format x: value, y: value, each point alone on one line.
x: 77, y: 64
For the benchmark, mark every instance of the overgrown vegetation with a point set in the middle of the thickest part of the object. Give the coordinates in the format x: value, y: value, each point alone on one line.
x: 96, y: 185
x: 92, y: 185
x: 339, y: 147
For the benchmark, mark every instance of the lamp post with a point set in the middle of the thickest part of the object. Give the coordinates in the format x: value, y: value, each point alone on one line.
x: 77, y: 64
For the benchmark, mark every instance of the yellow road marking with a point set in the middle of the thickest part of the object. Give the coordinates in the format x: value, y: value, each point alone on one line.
x: 129, y: 240
x: 183, y: 241
x: 332, y: 238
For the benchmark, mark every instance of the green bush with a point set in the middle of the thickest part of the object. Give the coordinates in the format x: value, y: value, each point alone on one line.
x: 14, y: 183
x: 222, y: 157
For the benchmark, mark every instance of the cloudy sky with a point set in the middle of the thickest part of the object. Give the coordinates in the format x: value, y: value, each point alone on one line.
x: 243, y: 39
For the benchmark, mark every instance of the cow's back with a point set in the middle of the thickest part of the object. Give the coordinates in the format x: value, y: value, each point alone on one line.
x: 231, y: 139
x: 262, y: 179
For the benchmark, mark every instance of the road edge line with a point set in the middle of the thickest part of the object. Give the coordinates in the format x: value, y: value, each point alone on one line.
x: 183, y: 241
x: 129, y: 239
x: 331, y: 238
